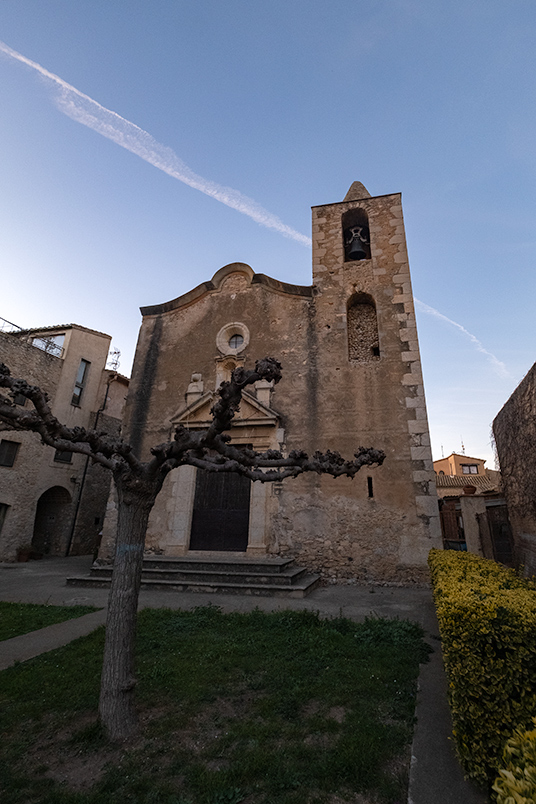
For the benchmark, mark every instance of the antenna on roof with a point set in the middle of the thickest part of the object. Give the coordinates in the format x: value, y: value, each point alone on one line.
x: 442, y: 451
x: 113, y: 359
x: 463, y: 446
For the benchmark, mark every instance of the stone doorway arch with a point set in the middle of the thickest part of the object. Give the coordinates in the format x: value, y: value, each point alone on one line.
x: 52, y: 522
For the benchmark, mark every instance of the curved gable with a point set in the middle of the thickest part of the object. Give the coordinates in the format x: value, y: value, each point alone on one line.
x: 237, y: 271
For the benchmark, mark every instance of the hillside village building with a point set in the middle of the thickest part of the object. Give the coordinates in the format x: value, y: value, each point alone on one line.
x: 456, y: 465
x: 54, y: 502
x: 351, y: 377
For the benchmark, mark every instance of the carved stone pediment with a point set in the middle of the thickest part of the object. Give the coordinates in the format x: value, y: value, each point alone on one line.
x: 252, y: 413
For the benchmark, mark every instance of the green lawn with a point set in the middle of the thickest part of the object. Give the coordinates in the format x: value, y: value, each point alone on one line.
x: 281, y: 708
x: 21, y: 618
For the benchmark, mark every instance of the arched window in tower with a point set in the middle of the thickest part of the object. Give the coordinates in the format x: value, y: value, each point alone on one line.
x: 356, y: 235
x: 362, y: 327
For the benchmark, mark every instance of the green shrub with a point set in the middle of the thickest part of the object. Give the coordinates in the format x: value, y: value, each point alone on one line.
x: 487, y: 621
x: 516, y: 783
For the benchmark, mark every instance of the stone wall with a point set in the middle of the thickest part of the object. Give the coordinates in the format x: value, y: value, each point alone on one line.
x: 339, y: 539
x: 514, y: 429
x: 24, y: 360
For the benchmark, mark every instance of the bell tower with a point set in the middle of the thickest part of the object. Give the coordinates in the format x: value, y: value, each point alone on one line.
x: 368, y: 353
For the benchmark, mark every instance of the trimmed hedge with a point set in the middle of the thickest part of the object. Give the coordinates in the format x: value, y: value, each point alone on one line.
x: 487, y: 622
x: 516, y: 783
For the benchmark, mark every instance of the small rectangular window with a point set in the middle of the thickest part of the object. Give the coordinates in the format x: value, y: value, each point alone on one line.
x: 63, y: 456
x: 469, y: 468
x: 8, y: 452
x: 369, y: 487
x: 81, y: 379
x: 3, y: 512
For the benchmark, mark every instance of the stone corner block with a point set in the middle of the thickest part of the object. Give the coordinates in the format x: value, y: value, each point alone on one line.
x: 426, y: 505
x: 420, y: 453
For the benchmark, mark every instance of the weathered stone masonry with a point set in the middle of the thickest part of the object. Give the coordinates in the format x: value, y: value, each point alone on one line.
x: 351, y: 377
x: 514, y: 429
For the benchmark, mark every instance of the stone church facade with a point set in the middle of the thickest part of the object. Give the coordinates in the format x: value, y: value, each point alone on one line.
x: 351, y: 377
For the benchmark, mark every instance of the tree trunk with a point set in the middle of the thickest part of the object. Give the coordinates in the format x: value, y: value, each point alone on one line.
x: 116, y: 705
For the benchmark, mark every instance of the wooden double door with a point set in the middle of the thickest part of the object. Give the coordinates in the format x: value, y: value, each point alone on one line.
x: 220, y: 518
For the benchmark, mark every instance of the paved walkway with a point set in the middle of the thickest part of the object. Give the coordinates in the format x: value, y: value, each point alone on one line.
x: 26, y: 646
x: 435, y: 775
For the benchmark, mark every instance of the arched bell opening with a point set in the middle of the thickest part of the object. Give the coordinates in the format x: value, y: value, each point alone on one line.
x: 362, y: 329
x: 356, y: 235
x: 52, y: 522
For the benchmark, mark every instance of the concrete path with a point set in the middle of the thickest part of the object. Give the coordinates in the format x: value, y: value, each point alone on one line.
x: 435, y: 775
x: 26, y: 646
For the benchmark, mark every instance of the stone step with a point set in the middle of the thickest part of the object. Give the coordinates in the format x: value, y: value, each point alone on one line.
x: 227, y: 574
x: 286, y: 577
x: 304, y: 585
x: 229, y: 563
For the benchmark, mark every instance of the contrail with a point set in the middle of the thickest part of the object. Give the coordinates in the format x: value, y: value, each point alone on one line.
x: 87, y: 111
x: 499, y: 367
x: 90, y: 113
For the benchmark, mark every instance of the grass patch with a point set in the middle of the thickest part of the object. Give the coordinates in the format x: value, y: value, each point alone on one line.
x: 281, y: 708
x: 21, y: 618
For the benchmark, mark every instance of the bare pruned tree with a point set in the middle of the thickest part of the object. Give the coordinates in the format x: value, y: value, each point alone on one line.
x: 138, y: 484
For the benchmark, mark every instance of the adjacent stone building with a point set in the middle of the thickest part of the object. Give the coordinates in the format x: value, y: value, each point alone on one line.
x: 54, y: 502
x: 351, y: 377
x: 514, y: 429
x: 473, y: 511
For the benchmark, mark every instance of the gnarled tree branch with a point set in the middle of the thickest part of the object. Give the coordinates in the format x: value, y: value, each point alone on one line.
x: 138, y: 484
x: 195, y: 449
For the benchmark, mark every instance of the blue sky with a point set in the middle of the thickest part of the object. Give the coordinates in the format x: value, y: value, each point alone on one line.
x: 287, y: 103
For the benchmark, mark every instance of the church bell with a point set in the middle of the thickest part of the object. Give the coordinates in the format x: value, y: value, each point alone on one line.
x: 356, y: 245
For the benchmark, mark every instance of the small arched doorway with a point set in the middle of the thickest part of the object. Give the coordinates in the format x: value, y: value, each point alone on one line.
x: 52, y: 522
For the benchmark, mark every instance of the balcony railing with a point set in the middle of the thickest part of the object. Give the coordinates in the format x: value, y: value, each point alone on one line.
x: 48, y: 345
